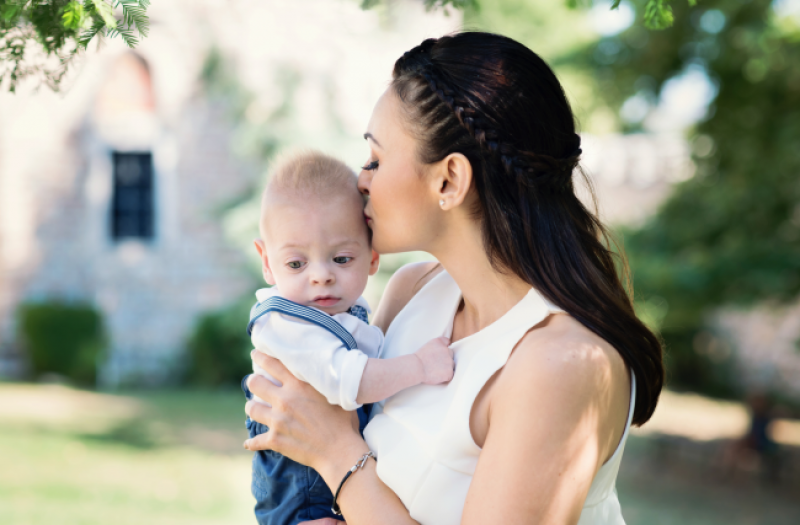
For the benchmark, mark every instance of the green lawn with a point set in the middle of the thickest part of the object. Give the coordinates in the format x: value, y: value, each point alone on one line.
x: 152, y: 458
x: 70, y: 457
x: 670, y: 491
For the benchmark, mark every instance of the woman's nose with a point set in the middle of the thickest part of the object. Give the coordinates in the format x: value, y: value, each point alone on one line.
x: 364, y: 181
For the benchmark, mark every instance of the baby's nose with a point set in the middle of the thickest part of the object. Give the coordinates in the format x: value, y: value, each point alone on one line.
x: 322, y: 276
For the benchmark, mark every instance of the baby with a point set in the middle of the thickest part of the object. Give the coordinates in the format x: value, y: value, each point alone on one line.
x: 315, y: 251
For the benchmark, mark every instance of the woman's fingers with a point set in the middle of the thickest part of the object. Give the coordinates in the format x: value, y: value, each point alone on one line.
x: 323, y: 521
x: 262, y: 388
x: 271, y: 366
x: 259, y: 442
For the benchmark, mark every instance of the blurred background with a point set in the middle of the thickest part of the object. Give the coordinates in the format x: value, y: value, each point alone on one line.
x: 128, y: 205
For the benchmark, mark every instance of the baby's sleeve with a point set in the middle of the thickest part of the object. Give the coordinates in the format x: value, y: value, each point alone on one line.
x: 314, y: 355
x: 368, y: 337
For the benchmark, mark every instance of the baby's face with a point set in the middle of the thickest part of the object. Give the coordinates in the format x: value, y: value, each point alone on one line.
x: 317, y: 251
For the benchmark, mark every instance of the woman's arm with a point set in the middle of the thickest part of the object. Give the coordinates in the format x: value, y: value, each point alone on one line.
x: 306, y: 428
x: 555, y: 414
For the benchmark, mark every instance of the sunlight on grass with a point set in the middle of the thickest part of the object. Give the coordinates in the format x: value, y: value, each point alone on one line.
x: 73, y: 457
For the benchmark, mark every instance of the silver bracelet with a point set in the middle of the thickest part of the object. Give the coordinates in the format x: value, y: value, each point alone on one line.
x: 359, y: 465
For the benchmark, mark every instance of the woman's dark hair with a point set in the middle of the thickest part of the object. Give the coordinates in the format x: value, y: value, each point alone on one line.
x: 497, y: 103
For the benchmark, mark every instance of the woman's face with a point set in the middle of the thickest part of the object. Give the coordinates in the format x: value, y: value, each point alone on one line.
x: 402, y: 209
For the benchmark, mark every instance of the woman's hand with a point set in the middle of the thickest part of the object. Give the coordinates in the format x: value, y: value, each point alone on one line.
x: 302, y: 424
x: 323, y: 521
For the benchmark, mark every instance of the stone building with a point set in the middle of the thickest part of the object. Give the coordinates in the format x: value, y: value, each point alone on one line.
x: 111, y: 191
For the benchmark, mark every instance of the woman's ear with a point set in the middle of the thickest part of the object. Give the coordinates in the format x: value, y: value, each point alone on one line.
x: 265, y: 269
x: 374, y: 263
x: 454, y: 180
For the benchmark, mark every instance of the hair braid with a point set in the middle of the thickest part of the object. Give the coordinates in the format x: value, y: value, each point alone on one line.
x: 529, y: 169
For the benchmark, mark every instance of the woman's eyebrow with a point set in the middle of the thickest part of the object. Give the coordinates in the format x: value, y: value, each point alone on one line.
x: 368, y: 136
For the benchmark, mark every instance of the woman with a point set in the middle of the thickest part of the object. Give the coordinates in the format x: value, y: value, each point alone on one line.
x: 473, y: 147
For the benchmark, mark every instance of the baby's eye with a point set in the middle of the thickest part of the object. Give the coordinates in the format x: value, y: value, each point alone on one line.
x: 295, y: 265
x: 342, y: 260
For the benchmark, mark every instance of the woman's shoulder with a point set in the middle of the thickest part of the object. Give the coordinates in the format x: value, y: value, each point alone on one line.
x: 566, y: 353
x: 563, y: 345
x: 402, y: 286
x: 573, y: 371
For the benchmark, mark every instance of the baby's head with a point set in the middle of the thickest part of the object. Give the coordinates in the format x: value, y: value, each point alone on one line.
x: 315, y: 244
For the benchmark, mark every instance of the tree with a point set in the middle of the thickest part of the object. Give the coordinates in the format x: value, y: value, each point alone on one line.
x: 61, y: 29
x: 64, y: 28
x: 731, y: 234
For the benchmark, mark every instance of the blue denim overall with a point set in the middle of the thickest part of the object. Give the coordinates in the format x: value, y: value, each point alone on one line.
x: 287, y: 492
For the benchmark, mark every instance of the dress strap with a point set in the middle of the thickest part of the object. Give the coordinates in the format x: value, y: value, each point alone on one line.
x: 293, y: 309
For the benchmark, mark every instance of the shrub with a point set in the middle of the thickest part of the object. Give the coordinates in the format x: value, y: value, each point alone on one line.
x: 65, y: 339
x: 219, y: 348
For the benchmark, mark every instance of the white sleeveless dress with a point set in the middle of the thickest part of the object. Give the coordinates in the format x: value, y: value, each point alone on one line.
x: 421, y: 436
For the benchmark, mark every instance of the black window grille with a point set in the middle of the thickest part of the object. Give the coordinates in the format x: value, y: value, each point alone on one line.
x: 132, y: 202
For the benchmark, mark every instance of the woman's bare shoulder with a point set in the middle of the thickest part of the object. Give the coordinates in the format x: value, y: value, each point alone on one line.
x: 564, y: 346
x: 574, y: 371
x: 402, y: 286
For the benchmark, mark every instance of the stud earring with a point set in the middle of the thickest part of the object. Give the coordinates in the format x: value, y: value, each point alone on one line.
x: 441, y: 203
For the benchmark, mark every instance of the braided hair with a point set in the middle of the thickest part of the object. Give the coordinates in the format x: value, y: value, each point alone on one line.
x: 497, y: 103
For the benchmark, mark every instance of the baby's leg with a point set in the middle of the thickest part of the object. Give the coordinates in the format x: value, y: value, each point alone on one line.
x: 286, y: 492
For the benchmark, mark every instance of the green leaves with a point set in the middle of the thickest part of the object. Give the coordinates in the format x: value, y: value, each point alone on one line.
x: 658, y: 14
x: 105, y: 12
x: 10, y: 12
x: 429, y: 4
x: 74, y: 16
x: 134, y: 17
x: 63, y: 28
x: 134, y: 14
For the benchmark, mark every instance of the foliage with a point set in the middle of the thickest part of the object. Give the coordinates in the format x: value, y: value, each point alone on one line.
x: 219, y: 348
x: 657, y: 13
x: 731, y: 234
x: 64, y: 339
x: 62, y: 29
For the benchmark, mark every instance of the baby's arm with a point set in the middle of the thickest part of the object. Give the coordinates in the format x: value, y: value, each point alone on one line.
x: 430, y: 365
x: 314, y: 355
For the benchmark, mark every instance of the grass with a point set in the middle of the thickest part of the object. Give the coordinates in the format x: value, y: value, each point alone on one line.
x: 71, y: 457
x: 150, y: 458
x: 673, y: 491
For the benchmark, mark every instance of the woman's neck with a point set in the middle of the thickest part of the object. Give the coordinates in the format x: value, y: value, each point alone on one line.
x: 487, y: 293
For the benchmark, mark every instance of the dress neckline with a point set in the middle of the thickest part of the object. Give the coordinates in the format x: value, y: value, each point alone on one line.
x: 532, y: 296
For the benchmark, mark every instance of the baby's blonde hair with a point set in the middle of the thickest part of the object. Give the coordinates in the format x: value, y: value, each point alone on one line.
x: 310, y: 173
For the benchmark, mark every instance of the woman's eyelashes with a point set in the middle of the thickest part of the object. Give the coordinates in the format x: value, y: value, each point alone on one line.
x: 370, y: 166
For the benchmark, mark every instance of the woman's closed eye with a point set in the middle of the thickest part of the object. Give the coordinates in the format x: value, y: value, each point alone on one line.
x: 370, y: 166
x: 342, y: 259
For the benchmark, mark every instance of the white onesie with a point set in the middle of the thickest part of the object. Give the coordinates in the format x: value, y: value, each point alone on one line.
x: 315, y: 354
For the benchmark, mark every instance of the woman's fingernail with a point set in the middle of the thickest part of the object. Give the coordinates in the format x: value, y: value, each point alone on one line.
x: 244, y: 445
x: 247, y: 407
x: 252, y: 353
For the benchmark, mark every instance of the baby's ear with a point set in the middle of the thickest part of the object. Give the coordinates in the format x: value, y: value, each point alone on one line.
x: 265, y: 269
x: 374, y: 263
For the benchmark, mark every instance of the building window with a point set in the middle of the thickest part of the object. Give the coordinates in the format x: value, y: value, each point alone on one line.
x: 132, y: 202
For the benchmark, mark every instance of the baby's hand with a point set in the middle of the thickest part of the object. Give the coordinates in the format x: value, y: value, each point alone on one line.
x: 437, y: 361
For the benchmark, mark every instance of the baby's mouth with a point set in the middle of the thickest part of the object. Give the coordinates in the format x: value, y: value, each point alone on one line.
x: 326, y: 300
